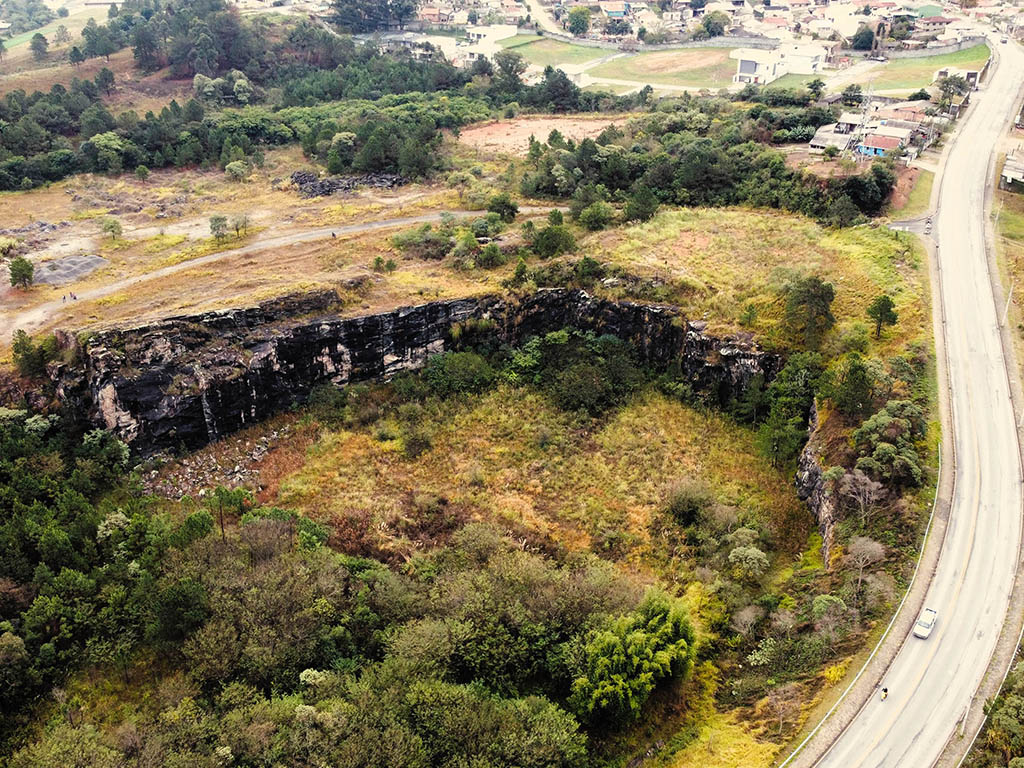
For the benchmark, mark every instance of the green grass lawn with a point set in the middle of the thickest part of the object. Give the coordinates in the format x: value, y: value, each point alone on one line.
x: 919, y: 198
x: 542, y: 51
x: 697, y: 67
x: 908, y: 74
x: 792, y: 81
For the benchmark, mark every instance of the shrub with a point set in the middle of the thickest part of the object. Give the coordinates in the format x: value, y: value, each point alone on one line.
x: 553, y: 240
x: 687, y: 500
x: 31, y: 358
x: 597, y: 216
x: 490, y: 256
x: 503, y: 205
x: 424, y: 243
x: 455, y: 373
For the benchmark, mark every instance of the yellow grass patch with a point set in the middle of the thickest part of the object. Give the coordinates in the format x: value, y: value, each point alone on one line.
x: 724, y: 742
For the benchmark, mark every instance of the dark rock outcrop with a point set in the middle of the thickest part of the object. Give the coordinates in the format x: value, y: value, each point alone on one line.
x: 812, y: 487
x: 184, y: 381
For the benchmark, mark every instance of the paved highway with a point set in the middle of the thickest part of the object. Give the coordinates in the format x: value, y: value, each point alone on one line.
x: 932, y: 682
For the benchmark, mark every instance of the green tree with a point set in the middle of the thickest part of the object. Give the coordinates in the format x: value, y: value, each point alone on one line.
x: 748, y: 562
x: 22, y: 272
x: 852, y: 95
x: 112, y: 227
x: 510, y: 66
x: 240, y: 223
x: 621, y: 664
x: 816, y: 87
x: 642, y: 204
x: 61, y: 35
x: 105, y: 80
x: 887, y: 444
x: 145, y: 46
x: 29, y: 357
x: 715, y: 23
x: 863, y: 39
x: 597, y: 216
x: 579, y: 21
x: 883, y: 311
x: 853, y: 391
x: 39, y: 46
x: 3, y: 50
x: 141, y: 173
x: 951, y: 86
x: 75, y: 55
x: 503, y: 205
x: 219, y: 226
x: 237, y: 170
x: 809, y: 308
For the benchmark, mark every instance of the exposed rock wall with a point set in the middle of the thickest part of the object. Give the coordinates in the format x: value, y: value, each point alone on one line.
x: 813, y: 489
x: 185, y: 381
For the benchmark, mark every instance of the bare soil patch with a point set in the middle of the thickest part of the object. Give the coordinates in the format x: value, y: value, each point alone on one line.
x: 513, y: 136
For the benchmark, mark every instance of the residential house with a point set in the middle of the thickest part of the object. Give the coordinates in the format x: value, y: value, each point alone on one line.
x: 849, y: 122
x: 1013, y: 170
x: 433, y: 14
x: 803, y: 59
x: 756, y: 66
x: 931, y: 25
x: 614, y: 9
x: 874, y: 145
x: 826, y: 136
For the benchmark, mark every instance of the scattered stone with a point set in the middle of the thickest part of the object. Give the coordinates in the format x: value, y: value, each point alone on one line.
x: 310, y: 184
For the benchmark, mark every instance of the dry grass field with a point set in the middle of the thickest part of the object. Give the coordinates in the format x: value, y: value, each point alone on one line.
x: 697, y: 67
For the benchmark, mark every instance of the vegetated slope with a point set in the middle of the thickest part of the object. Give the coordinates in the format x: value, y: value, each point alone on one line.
x: 564, y: 447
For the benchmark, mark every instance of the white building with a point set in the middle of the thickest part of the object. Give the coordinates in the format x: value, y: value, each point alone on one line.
x: 760, y: 67
x: 756, y: 67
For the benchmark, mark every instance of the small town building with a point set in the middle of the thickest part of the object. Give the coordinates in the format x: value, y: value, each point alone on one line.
x: 874, y: 145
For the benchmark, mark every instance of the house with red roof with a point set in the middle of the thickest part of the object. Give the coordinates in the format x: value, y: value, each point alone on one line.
x: 875, y: 145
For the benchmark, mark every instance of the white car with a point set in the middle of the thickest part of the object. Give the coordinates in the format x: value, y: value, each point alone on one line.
x: 925, y: 623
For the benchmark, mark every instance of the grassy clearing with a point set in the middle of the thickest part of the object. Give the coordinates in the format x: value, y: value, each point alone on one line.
x: 920, y: 196
x: 724, y: 742
x: 544, y: 52
x: 728, y: 263
x: 549, y: 473
x: 792, y: 80
x: 906, y: 74
x: 697, y: 67
x: 1009, y: 224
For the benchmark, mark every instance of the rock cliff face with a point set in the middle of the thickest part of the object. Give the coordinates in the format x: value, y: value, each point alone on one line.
x: 812, y: 488
x: 185, y: 381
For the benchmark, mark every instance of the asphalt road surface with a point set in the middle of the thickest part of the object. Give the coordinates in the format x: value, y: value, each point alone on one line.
x: 932, y: 682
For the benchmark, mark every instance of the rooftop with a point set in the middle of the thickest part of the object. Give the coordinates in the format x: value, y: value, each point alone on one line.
x: 885, y: 143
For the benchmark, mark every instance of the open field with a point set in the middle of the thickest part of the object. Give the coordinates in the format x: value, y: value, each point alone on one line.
x: 724, y: 263
x: 548, y: 474
x: 513, y: 136
x: 910, y: 74
x: 543, y: 51
x: 697, y: 67
x: 166, y: 221
x: 792, y: 81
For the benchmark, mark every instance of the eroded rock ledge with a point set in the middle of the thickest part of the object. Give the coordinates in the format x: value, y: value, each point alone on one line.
x: 185, y: 381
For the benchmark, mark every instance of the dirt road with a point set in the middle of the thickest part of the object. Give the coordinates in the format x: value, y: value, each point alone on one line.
x: 32, y: 318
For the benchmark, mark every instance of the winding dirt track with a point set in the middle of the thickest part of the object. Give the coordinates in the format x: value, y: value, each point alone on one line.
x: 32, y: 318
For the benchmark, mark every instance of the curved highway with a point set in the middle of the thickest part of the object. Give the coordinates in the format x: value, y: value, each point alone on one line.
x: 932, y: 682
